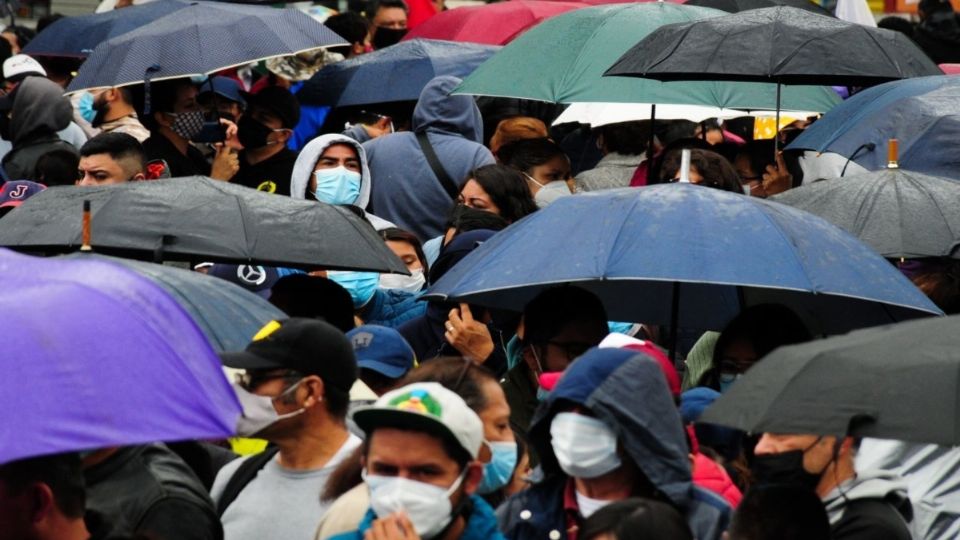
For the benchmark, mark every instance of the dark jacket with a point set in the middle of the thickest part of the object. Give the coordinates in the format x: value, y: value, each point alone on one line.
x: 939, y: 36
x: 39, y: 112
x: 405, y: 190
x: 521, y: 394
x: 481, y: 524
x: 190, y: 164
x: 874, y: 504
x: 148, y: 490
x: 626, y: 391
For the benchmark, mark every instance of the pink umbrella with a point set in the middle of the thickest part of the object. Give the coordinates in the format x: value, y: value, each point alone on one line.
x: 492, y: 24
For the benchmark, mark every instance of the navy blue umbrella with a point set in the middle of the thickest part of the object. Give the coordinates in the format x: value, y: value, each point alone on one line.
x: 690, y: 256
x: 923, y: 114
x: 395, y: 73
x: 78, y: 36
x: 200, y: 39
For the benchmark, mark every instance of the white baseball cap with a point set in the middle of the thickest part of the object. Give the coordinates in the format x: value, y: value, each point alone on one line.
x: 21, y: 65
x: 427, y: 407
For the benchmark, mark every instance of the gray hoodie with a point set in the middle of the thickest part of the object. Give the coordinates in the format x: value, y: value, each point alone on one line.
x: 39, y: 112
x: 307, y: 160
x: 405, y: 189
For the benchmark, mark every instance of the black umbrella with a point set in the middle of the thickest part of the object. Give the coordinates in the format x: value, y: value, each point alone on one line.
x: 736, y: 6
x: 199, y: 219
x: 896, y: 212
x: 894, y: 382
x: 779, y: 44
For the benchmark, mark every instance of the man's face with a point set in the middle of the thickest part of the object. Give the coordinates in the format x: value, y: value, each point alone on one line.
x: 186, y: 99
x: 411, y: 455
x: 817, y: 451
x: 560, y: 351
x: 390, y: 17
x: 336, y: 155
x: 101, y: 170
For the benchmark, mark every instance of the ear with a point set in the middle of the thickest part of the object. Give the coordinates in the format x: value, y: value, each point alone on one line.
x: 111, y: 95
x: 474, y: 475
x: 285, y: 136
x: 161, y: 119
x: 41, y: 502
x: 315, y: 391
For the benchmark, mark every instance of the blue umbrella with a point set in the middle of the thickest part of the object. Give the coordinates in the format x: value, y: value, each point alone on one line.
x: 77, y: 36
x: 95, y: 356
x: 228, y: 314
x: 690, y: 256
x: 395, y: 73
x: 200, y: 39
x: 922, y: 113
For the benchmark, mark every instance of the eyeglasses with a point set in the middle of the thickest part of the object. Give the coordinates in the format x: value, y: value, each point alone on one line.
x: 249, y: 380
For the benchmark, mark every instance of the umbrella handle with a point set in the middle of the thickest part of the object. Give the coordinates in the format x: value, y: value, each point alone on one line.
x: 892, y: 162
x: 85, y: 233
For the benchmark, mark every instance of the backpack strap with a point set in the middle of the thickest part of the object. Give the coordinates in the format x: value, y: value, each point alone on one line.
x: 244, y: 474
x: 448, y: 184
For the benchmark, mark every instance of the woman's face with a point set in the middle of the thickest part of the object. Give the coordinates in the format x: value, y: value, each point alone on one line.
x: 473, y: 196
x: 495, y: 417
x: 558, y: 168
x: 407, y: 254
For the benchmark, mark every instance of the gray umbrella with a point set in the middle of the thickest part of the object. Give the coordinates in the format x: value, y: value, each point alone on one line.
x: 199, y: 219
x: 898, y: 213
x: 893, y: 382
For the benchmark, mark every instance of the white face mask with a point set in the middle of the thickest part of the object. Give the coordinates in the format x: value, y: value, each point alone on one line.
x: 259, y: 412
x: 412, y: 283
x: 428, y: 506
x: 585, y: 447
x: 551, y: 192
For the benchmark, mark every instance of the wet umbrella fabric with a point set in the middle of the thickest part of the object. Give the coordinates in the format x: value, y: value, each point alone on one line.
x: 712, y: 252
x: 200, y: 39
x: 78, y: 36
x: 395, y: 73
x: 896, y: 212
x: 780, y: 44
x: 199, y: 219
x: 564, y: 58
x: 490, y: 24
x: 96, y: 356
x: 228, y: 314
x: 923, y: 114
x: 895, y: 382
x: 736, y: 6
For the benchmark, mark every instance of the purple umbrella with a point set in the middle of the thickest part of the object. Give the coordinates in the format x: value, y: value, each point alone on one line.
x: 95, y: 355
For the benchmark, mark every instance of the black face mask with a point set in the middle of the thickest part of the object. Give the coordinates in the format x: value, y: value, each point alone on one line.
x: 252, y: 134
x: 101, y: 108
x: 784, y: 469
x: 384, y: 37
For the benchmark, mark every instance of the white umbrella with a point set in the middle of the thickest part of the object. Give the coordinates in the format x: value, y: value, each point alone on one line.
x: 600, y: 114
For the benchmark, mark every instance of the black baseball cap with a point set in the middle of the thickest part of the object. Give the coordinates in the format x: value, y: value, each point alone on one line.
x: 307, y: 346
x: 280, y: 102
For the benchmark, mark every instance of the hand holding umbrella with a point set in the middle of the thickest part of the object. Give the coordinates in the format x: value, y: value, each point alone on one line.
x: 467, y: 335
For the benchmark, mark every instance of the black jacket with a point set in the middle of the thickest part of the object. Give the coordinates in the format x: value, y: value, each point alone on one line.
x: 939, y: 36
x: 148, y: 490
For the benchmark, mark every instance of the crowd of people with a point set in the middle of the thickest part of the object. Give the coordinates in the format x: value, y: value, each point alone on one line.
x: 371, y: 414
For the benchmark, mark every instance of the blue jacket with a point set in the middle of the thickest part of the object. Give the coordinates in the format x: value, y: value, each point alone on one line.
x: 392, y: 307
x: 628, y: 392
x: 405, y: 190
x: 481, y: 525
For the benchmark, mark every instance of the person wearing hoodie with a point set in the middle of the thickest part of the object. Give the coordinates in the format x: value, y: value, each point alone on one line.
x: 609, y: 430
x: 30, y: 118
x: 861, y: 505
x: 406, y: 189
x: 938, y: 33
x: 333, y: 169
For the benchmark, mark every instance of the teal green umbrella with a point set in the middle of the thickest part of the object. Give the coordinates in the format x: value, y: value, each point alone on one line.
x: 562, y: 60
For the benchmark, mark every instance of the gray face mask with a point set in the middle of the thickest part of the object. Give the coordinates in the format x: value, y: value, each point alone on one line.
x: 551, y: 192
x: 259, y: 412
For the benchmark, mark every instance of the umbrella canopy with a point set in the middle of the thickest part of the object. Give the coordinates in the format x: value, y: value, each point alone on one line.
x: 923, y: 114
x: 712, y: 252
x: 228, y: 314
x: 564, y: 57
x: 395, y: 73
x: 781, y: 44
x: 736, y: 6
x: 199, y: 219
x: 491, y: 24
x: 98, y: 356
x: 78, y: 36
x: 894, y: 382
x: 896, y: 212
x: 200, y: 39
x: 601, y: 114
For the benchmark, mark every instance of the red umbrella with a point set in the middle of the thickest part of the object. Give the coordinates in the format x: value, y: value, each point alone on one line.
x: 492, y: 24
x: 605, y: 2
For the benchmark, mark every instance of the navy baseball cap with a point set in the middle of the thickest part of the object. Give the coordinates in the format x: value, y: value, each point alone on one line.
x: 254, y: 278
x: 14, y: 192
x: 226, y: 88
x: 381, y: 349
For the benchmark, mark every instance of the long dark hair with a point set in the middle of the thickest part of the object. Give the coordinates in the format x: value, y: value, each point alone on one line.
x: 507, y: 189
x: 525, y: 154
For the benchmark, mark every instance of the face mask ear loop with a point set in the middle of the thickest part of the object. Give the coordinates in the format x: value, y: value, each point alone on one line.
x: 837, y: 444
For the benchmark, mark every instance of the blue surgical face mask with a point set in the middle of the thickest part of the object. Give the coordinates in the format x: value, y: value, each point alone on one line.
x: 337, y: 185
x: 360, y: 285
x: 499, y: 471
x: 85, y: 107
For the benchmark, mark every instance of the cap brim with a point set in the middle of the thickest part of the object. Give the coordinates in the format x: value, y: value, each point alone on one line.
x: 370, y: 418
x: 248, y: 360
x: 387, y: 370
